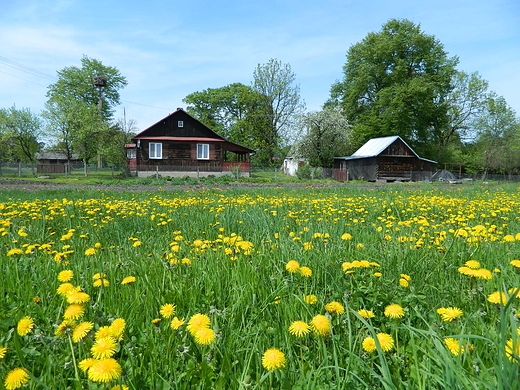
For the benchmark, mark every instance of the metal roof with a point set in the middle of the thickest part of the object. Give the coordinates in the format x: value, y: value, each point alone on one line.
x: 375, y: 146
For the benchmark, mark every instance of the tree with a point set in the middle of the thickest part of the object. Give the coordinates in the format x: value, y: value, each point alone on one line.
x: 326, y: 135
x: 22, y: 130
x: 395, y: 83
x: 280, y: 102
x: 78, y: 112
x: 232, y: 111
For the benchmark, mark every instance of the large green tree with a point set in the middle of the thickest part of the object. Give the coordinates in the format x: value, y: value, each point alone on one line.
x: 325, y: 135
x: 280, y: 103
x: 395, y: 83
x: 22, y: 131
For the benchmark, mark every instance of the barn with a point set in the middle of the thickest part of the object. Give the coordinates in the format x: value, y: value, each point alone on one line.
x: 385, y: 159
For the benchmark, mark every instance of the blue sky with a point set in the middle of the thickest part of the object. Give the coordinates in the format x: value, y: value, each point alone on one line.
x: 169, y: 49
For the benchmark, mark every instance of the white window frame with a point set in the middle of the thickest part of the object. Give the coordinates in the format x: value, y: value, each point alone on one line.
x: 180, y: 123
x: 155, y: 150
x: 202, y: 151
x: 131, y: 153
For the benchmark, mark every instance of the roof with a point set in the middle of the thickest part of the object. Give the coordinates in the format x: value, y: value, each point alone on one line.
x: 190, y: 139
x: 375, y: 146
x: 53, y: 154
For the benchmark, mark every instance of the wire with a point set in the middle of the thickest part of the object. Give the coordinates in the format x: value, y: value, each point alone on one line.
x: 26, y: 69
x: 29, y: 81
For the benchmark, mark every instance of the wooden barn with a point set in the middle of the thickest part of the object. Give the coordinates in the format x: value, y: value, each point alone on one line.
x: 55, y: 161
x: 180, y: 145
x: 384, y: 159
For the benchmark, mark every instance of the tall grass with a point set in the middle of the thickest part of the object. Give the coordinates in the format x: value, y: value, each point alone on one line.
x: 223, y: 254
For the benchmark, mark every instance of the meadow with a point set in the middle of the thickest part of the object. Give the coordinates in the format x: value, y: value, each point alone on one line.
x: 390, y: 287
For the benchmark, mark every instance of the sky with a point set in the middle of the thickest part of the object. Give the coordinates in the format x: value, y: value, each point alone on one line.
x: 169, y: 49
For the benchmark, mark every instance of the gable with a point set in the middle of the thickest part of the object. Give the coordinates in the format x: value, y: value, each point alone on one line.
x: 169, y: 127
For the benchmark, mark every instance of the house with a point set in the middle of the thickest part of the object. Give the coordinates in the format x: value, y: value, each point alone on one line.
x: 384, y: 159
x: 291, y: 164
x: 180, y: 145
x: 55, y: 161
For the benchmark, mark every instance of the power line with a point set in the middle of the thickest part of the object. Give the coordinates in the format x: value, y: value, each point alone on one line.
x: 29, y: 81
x: 26, y: 69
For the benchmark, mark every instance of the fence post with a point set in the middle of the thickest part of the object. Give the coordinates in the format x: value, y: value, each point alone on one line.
x: 157, y: 172
x: 275, y: 171
x: 19, y: 169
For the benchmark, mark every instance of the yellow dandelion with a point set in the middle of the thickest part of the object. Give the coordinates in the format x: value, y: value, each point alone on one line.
x: 406, y: 277
x: 65, y: 328
x: 14, y: 252
x: 321, y: 325
x: 104, y: 370
x: 81, y: 331
x: 167, y: 310
x: 156, y: 321
x: 103, y: 332
x: 292, y: 266
x: 85, y: 364
x: 369, y: 344
x: 65, y: 289
x: 515, y: 263
x: 137, y: 243
x: 366, y: 313
x: 120, y: 387
x: 66, y: 275
x: 78, y: 297
x: 16, y: 378
x: 454, y: 346
x: 473, y: 264
x: 116, y: 328
x: 128, y: 280
x: 103, y: 348
x: 204, y: 336
x: 378, y: 274
x: 273, y: 358
x: 176, y: 323
x: 515, y: 291
x: 483, y: 273
x: 449, y: 313
x: 360, y: 246
x: 90, y: 252
x: 101, y: 282
x: 394, y: 311
x: 3, y: 351
x: 403, y: 282
x: 99, y: 275
x: 335, y: 308
x: 74, y: 312
x: 25, y: 326
x: 306, y: 272
x: 513, y: 350
x: 498, y: 297
x: 346, y: 236
x: 198, y: 321
x: 299, y: 328
x: 385, y: 341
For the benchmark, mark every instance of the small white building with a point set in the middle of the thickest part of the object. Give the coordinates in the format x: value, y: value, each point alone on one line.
x: 291, y: 165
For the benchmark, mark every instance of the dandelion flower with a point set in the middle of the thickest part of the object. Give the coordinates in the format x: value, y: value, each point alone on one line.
x: 25, y: 326
x: 101, y: 282
x: 198, y: 321
x: 3, y: 351
x: 204, y: 336
x: 103, y: 348
x: 104, y: 370
x: 449, y: 313
x: 394, y: 311
x: 167, y: 310
x: 176, y: 323
x: 403, y: 282
x: 74, y: 312
x: 497, y: 297
x: 66, y: 289
x: 366, y: 313
x: 321, y: 325
x: 483, y: 273
x: 16, y: 378
x: 306, y: 272
x: 335, y: 308
x: 66, y: 275
x: 292, y: 266
x: 369, y: 344
x: 103, y: 332
x: 90, y: 252
x: 299, y: 328
x: 346, y: 236
x: 512, y: 351
x: 273, y: 358
x: 78, y: 297
x: 85, y: 364
x: 386, y: 341
x: 81, y: 331
x: 66, y: 327
x: 120, y: 387
x: 378, y: 274
x: 473, y: 264
x: 117, y: 328
x: 405, y: 276
x: 128, y: 280
x: 310, y: 299
x: 454, y: 346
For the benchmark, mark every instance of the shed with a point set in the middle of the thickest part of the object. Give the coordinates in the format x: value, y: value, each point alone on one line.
x: 55, y: 161
x: 384, y: 159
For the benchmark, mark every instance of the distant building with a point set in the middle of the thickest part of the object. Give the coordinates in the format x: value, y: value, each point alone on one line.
x: 54, y: 161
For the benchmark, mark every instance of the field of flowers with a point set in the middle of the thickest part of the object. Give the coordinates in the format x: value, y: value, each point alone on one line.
x: 344, y: 288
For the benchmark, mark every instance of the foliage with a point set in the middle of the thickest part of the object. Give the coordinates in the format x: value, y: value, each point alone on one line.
x: 280, y: 102
x: 22, y: 131
x: 395, y: 83
x: 226, y: 254
x: 326, y: 134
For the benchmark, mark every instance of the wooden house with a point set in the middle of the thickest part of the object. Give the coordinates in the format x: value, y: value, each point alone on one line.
x: 180, y: 145
x: 384, y: 159
x: 55, y: 161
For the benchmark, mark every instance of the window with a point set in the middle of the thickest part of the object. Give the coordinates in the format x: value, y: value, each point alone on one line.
x: 131, y: 153
x: 155, y: 150
x: 180, y: 123
x: 202, y: 151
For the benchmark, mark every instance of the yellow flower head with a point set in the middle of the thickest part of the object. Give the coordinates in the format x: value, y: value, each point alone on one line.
x: 116, y: 328
x: 66, y: 327
x: 103, y: 332
x: 335, y: 308
x: 66, y: 275
x: 81, y: 331
x: 273, y: 358
x: 473, y: 264
x: 310, y: 299
x: 292, y: 266
x: 394, y: 311
x: 66, y: 289
x: 299, y: 328
x: 198, y: 321
x: 16, y: 378
x: 176, y: 323
x: 346, y: 236
x: 128, y: 279
x: 204, y: 336
x: 321, y: 325
x: 74, y: 312
x: 403, y: 282
x: 498, y: 297
x: 25, y: 326
x: 85, y: 364
x: 104, y: 370
x: 78, y: 297
x: 306, y: 272
x: 167, y: 310
x: 449, y: 313
x: 513, y: 350
x: 3, y: 351
x: 103, y: 348
x: 369, y: 344
x: 385, y: 341
x: 90, y: 252
x: 101, y: 282
x: 454, y: 346
x: 366, y: 313
x: 515, y: 263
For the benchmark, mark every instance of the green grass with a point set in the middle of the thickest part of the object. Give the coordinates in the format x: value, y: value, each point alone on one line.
x: 249, y: 295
